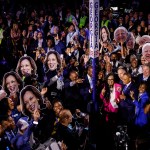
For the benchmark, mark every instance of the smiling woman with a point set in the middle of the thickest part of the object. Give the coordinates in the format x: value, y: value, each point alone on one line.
x: 53, y: 75
x: 26, y: 65
x: 12, y: 84
x: 27, y: 70
x: 52, y: 60
x: 31, y: 101
x: 104, y: 34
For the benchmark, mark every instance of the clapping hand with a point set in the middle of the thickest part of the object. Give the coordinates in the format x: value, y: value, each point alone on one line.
x: 132, y: 94
x: 147, y: 109
x: 122, y: 96
x: 117, y: 100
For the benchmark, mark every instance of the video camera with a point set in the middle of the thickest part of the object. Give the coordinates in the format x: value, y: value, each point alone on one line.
x: 121, y: 138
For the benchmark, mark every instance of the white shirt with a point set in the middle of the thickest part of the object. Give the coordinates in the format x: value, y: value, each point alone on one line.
x: 40, y: 42
x: 90, y: 81
x: 112, y: 98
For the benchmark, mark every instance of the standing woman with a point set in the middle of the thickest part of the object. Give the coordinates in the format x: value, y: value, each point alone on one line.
x: 27, y: 68
x: 110, y: 98
x: 53, y: 74
x: 31, y: 100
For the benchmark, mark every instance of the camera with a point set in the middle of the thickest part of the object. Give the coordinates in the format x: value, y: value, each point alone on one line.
x: 80, y: 115
x: 121, y: 138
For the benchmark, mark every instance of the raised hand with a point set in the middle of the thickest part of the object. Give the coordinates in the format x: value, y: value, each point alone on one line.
x: 3, y: 94
x: 36, y: 115
x: 79, y: 80
x: 132, y: 94
x: 103, y: 91
x: 44, y: 91
x: 63, y: 146
x: 48, y: 103
x: 122, y: 96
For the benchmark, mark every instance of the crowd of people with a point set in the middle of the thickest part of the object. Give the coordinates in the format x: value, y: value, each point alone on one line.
x: 46, y: 79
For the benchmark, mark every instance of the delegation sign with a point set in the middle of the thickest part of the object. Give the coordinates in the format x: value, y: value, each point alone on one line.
x: 94, y: 28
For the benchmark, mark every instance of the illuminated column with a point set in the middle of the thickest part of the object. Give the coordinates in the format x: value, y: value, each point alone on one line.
x: 94, y: 41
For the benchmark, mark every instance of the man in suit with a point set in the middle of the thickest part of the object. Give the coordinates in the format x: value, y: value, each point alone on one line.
x: 87, y: 87
x: 145, y: 77
x: 121, y: 71
x: 72, y: 96
x: 126, y: 106
x: 24, y: 48
x: 65, y: 133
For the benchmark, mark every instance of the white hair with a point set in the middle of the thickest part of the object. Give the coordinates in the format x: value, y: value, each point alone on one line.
x: 144, y: 46
x: 120, y: 28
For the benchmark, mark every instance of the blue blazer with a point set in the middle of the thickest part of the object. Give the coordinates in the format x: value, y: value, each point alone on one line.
x: 140, y: 79
x: 141, y: 119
